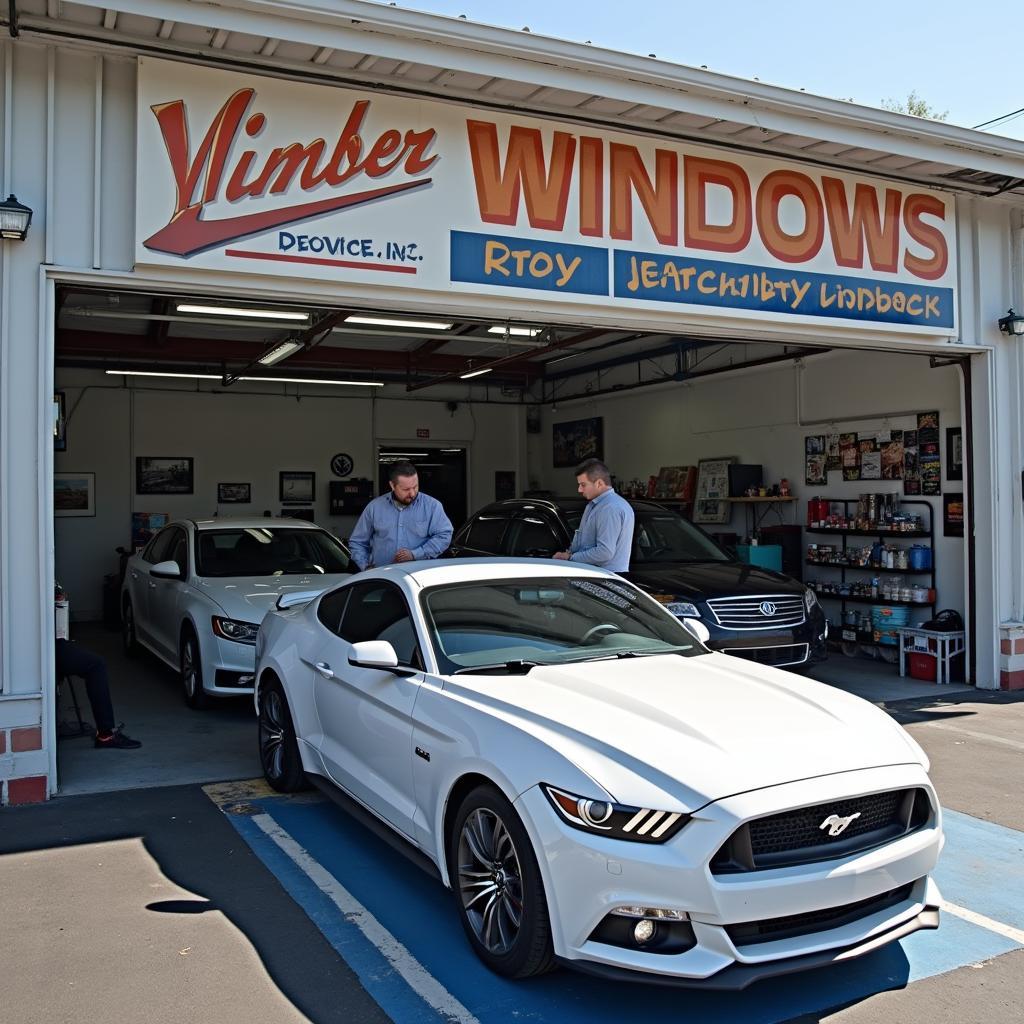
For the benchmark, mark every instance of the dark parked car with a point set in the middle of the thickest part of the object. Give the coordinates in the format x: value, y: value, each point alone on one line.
x: 748, y: 611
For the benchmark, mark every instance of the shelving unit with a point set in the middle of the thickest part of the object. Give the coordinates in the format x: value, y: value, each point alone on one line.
x: 856, y: 635
x: 758, y: 508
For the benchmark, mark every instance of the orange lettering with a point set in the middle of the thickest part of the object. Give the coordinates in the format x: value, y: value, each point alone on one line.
x: 660, y: 201
x: 698, y: 173
x: 925, y: 234
x: 591, y: 186
x: 772, y: 190
x: 849, y: 232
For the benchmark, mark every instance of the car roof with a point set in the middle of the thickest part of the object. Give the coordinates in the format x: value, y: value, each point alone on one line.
x: 472, y: 570
x: 566, y: 504
x: 252, y: 523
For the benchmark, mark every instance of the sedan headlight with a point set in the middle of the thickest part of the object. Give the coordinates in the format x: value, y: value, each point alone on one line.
x: 616, y: 821
x: 810, y: 600
x: 681, y: 609
x: 232, y: 629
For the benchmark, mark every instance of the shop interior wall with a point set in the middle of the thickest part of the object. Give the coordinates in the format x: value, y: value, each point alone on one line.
x: 762, y: 415
x: 240, y: 437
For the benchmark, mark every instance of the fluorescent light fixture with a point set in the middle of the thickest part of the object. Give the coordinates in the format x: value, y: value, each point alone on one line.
x: 381, y: 321
x: 451, y: 451
x: 266, y: 314
x: 474, y: 373
x: 275, y: 355
x: 516, y: 332
x: 265, y: 380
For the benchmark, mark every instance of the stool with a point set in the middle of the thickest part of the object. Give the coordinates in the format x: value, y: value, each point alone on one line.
x: 941, y: 645
x: 68, y: 729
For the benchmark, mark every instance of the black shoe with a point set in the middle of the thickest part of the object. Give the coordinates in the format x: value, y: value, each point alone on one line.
x: 117, y: 740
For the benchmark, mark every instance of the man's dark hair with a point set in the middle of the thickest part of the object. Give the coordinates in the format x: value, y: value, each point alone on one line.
x: 595, y: 470
x: 401, y: 469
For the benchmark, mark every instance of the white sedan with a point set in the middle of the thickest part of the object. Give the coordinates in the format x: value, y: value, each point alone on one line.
x: 595, y: 786
x: 196, y: 594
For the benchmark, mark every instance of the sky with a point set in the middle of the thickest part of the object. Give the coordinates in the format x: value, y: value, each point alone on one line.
x: 960, y: 58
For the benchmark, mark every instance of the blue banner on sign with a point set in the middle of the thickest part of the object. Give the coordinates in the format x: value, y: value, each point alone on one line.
x: 506, y: 262
x: 643, y: 275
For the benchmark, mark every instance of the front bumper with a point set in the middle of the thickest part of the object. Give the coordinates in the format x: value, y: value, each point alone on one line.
x: 786, y: 647
x: 586, y: 877
x: 229, y: 668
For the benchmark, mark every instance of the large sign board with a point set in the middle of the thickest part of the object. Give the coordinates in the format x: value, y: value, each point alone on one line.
x: 243, y: 173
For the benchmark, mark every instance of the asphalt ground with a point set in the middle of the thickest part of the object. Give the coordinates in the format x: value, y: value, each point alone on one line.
x: 227, y: 905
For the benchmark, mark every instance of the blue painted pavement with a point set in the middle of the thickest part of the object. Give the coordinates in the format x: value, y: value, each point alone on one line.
x: 981, y: 869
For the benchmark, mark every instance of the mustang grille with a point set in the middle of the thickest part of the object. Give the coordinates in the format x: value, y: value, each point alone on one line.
x: 771, y: 929
x: 784, y: 654
x: 801, y: 837
x: 766, y: 611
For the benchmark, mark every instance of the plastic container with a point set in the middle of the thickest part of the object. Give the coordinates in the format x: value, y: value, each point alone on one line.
x: 920, y: 557
x: 923, y: 666
x: 886, y: 622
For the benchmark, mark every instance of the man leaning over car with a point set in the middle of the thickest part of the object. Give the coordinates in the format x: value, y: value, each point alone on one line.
x: 605, y: 536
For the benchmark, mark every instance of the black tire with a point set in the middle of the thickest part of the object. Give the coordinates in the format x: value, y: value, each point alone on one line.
x: 192, y: 672
x: 279, y: 749
x: 129, y: 641
x: 498, y: 889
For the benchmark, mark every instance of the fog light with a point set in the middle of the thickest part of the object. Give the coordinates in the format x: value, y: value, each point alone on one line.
x: 655, y: 912
x: 644, y: 931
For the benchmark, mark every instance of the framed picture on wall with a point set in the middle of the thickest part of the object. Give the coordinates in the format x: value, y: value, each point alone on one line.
x: 576, y: 440
x: 297, y: 486
x: 234, y: 494
x: 163, y: 474
x: 712, y: 490
x: 953, y: 514
x: 74, y: 494
x: 954, y: 453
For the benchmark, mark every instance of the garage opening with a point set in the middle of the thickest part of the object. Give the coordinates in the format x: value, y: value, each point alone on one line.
x: 842, y: 469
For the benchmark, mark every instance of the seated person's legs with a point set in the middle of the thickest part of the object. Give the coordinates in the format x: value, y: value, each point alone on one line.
x: 72, y: 660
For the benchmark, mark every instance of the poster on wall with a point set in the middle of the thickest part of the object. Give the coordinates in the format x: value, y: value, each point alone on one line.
x: 849, y: 456
x: 953, y: 514
x: 929, y: 457
x: 892, y: 456
x: 954, y: 453
x: 911, y: 471
x: 576, y: 440
x: 833, y: 459
x: 144, y: 525
x: 871, y: 465
x: 712, y: 490
x: 815, y: 460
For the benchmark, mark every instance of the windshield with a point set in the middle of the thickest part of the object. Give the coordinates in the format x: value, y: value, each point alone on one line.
x: 667, y: 537
x: 512, y: 625
x: 269, y: 551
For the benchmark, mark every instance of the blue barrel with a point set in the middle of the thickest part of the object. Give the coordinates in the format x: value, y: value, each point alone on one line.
x: 886, y: 621
x: 919, y: 557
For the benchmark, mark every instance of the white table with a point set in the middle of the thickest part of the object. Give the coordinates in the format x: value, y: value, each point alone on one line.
x: 943, y: 646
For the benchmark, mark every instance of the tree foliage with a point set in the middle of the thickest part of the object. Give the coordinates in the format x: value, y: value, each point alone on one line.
x: 915, y: 105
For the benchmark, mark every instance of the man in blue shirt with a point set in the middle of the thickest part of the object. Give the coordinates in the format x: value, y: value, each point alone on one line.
x: 605, y: 536
x: 401, y: 526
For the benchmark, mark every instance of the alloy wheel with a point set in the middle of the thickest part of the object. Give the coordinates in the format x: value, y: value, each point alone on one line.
x: 188, y: 669
x: 490, y: 880
x: 272, y: 725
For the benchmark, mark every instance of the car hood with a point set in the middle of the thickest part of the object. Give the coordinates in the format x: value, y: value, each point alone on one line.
x: 249, y: 598
x: 691, y: 730
x: 702, y: 580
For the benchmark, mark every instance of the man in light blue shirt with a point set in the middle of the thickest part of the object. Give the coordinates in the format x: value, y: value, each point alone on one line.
x: 401, y: 526
x: 605, y: 536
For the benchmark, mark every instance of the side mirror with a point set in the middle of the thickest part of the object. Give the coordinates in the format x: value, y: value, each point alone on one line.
x: 169, y: 570
x: 698, y: 629
x: 378, y: 654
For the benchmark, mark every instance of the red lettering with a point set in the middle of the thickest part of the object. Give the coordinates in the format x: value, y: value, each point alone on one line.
x: 591, y: 186
x: 849, y: 231
x: 790, y: 248
x: 498, y: 191
x: 698, y: 173
x: 914, y: 207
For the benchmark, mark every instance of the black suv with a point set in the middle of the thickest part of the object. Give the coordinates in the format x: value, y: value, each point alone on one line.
x: 749, y: 612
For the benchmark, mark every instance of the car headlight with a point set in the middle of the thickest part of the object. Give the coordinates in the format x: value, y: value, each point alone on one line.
x: 232, y: 629
x: 810, y: 600
x: 616, y: 821
x: 681, y: 609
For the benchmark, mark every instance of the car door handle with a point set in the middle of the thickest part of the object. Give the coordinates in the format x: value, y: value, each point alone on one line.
x: 324, y: 669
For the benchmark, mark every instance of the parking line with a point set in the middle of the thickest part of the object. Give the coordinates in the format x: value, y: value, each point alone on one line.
x: 424, y: 984
x: 1007, y: 930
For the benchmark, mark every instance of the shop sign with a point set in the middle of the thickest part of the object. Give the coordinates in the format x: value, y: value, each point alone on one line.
x: 256, y: 175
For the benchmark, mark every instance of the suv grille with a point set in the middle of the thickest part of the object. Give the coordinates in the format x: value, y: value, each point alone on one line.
x: 771, y: 929
x: 798, y: 836
x: 765, y: 611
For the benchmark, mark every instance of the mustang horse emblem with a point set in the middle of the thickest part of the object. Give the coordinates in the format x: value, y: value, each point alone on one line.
x: 837, y: 826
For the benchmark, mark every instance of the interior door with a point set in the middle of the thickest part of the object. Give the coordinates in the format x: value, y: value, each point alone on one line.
x: 367, y: 714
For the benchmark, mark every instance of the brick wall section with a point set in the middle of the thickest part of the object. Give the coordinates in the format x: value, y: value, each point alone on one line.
x: 26, y: 739
x: 26, y: 791
x: 1011, y: 656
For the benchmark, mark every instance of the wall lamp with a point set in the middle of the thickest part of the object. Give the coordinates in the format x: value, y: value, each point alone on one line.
x: 1012, y: 324
x: 15, y: 218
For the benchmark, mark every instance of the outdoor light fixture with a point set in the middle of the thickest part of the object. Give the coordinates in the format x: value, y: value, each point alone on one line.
x: 15, y: 218
x: 475, y: 373
x: 266, y: 314
x: 1012, y: 324
x: 275, y: 355
x: 515, y: 332
x: 264, y: 380
x: 380, y: 321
